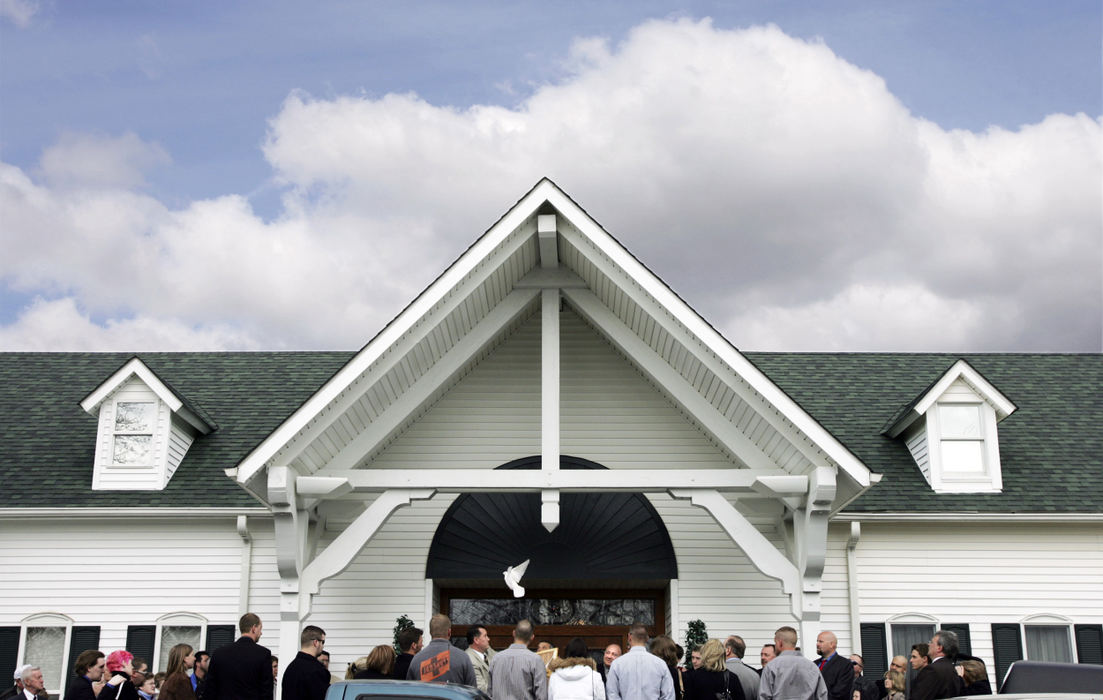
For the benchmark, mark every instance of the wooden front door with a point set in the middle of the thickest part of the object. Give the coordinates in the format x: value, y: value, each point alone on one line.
x: 599, y: 617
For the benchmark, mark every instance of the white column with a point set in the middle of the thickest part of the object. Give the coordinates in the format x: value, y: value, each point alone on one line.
x: 549, y: 402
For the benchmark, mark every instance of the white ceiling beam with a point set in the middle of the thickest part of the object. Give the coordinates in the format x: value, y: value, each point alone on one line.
x: 549, y: 241
x: 549, y: 399
x: 559, y: 278
x: 572, y: 480
x: 666, y: 377
x: 438, y: 375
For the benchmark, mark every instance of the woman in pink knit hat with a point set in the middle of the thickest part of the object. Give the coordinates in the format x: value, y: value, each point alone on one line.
x: 119, y: 686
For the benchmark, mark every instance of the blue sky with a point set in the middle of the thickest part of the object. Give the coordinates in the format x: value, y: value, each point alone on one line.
x: 188, y: 99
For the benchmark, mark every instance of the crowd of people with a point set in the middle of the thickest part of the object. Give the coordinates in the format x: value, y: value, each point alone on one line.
x: 649, y: 670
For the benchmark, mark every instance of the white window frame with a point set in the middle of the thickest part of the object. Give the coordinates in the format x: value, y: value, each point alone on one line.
x: 1048, y: 620
x: 47, y: 619
x: 911, y: 618
x: 944, y: 480
x: 176, y: 619
x: 154, y: 438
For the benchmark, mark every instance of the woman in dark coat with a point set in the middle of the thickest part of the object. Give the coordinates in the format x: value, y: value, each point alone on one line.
x: 710, y: 680
x: 177, y: 685
x: 119, y: 668
x: 380, y: 664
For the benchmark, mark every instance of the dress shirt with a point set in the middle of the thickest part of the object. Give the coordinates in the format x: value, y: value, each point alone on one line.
x: 790, y: 676
x: 639, y: 675
x: 518, y: 674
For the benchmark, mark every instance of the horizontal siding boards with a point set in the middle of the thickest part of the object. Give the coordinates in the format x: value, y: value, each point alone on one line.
x: 1089, y: 644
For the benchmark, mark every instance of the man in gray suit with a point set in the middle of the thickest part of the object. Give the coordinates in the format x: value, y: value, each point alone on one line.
x: 734, y: 649
x: 478, y: 648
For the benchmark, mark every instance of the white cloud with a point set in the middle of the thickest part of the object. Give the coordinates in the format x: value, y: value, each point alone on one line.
x: 19, y: 12
x: 786, y: 194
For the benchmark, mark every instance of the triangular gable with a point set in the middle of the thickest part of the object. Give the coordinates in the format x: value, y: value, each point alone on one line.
x: 134, y: 367
x: 962, y: 370
x: 495, y: 285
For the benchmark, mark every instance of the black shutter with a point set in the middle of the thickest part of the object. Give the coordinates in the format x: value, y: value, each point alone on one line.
x: 82, y: 639
x: 964, y: 642
x: 9, y: 654
x: 874, y: 651
x: 140, y: 641
x: 1007, y: 642
x: 219, y: 636
x: 1089, y: 644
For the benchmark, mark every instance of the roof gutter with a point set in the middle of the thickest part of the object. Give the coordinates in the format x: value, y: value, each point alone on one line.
x: 970, y: 517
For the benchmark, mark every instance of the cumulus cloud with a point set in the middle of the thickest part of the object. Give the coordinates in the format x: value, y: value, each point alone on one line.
x: 100, y: 162
x: 785, y: 193
x: 19, y: 12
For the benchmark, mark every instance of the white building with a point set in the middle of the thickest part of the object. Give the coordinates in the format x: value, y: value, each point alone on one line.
x: 549, y: 398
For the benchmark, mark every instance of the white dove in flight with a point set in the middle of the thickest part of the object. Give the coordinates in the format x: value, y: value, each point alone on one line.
x: 513, y: 576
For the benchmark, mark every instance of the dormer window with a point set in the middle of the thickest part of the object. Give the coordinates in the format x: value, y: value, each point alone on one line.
x: 951, y: 432
x: 145, y: 429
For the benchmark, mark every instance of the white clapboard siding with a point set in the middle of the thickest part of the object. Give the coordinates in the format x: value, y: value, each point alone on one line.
x: 980, y: 573
x: 117, y: 572
x: 264, y: 579
x: 180, y: 439
x: 109, y: 476
x: 609, y: 412
x: 918, y: 445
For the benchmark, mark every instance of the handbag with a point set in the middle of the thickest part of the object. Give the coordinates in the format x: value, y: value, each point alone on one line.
x: 727, y: 694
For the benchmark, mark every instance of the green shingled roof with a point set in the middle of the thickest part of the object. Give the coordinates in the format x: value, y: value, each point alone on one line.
x: 1051, y: 447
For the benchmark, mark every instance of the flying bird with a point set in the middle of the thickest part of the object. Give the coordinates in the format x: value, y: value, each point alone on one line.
x: 513, y: 576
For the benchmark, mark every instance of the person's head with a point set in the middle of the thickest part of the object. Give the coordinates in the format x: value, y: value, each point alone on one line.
x: 159, y: 678
x: 943, y: 643
x: 311, y: 640
x: 32, y: 679
x: 440, y: 626
x: 138, y: 667
x: 180, y: 659
x: 918, y: 656
x: 543, y: 646
x: 202, y: 661
x: 381, y: 659
x: 897, y: 679
x: 859, y: 665
x: 576, y: 649
x: 477, y: 638
x: 712, y: 655
x: 356, y: 667
x: 323, y: 658
x: 735, y: 646
x: 275, y: 666
x: 768, y: 654
x: 664, y: 648
x: 522, y: 633
x: 611, y: 653
x: 785, y: 639
x: 973, y: 671
x: 148, y: 685
x: 250, y: 626
x: 637, y: 635
x: 856, y: 695
x: 899, y: 663
x: 826, y: 643
x: 695, y: 658
x: 91, y: 664
x: 409, y: 640
x: 120, y: 662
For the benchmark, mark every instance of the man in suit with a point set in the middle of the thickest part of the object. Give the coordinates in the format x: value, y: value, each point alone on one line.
x: 478, y: 648
x: 306, y: 678
x: 88, y: 669
x: 734, y: 649
x: 837, y: 671
x: 241, y: 670
x: 938, y: 679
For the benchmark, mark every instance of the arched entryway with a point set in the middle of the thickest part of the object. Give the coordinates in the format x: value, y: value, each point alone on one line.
x: 608, y: 563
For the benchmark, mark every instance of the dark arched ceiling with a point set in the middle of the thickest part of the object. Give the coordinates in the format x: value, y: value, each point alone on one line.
x: 601, y: 536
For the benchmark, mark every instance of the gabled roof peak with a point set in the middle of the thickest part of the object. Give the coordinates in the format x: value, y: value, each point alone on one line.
x: 962, y: 370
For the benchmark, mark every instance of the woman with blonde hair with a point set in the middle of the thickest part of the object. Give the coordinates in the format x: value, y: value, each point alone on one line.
x: 713, y: 679
x: 894, y: 684
x: 378, y: 665
x: 177, y: 685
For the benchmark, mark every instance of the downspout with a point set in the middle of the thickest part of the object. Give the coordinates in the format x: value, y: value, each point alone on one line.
x: 246, y: 563
x: 852, y: 584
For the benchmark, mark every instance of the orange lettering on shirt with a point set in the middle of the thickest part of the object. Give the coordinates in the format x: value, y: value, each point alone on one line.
x: 435, y: 667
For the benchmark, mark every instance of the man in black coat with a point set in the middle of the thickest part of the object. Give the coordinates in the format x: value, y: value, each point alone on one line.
x: 409, y: 641
x: 939, y: 678
x: 306, y: 678
x: 241, y: 670
x: 88, y: 669
x: 837, y: 671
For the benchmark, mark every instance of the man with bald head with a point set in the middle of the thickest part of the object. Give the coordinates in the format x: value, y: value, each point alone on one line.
x: 837, y: 670
x: 790, y: 676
